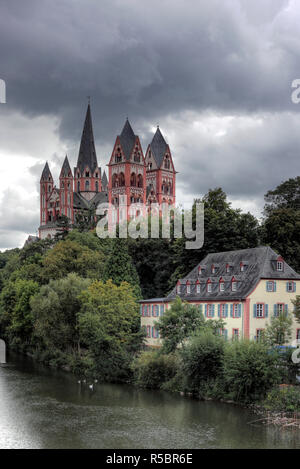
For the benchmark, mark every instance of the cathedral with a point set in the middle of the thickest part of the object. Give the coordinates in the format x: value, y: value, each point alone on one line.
x: 143, y: 178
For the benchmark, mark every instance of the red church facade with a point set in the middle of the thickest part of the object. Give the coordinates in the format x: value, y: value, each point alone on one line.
x: 133, y: 178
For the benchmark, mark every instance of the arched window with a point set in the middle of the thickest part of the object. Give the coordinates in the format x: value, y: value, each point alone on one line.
x: 78, y: 186
x: 87, y: 185
x: 115, y: 180
x: 97, y: 186
x: 121, y: 179
x: 140, y: 181
x: 133, y: 179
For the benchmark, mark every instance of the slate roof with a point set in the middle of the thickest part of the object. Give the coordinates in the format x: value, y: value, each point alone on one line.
x: 158, y: 147
x: 81, y: 203
x: 66, y: 169
x: 127, y: 139
x: 87, y: 151
x: 260, y: 263
x: 99, y: 198
x: 46, y: 173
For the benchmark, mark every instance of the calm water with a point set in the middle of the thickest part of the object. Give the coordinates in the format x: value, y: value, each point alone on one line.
x: 42, y: 408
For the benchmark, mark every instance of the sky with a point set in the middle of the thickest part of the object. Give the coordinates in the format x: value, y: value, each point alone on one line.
x: 216, y: 76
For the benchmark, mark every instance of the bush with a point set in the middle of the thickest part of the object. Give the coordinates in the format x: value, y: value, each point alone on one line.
x: 202, y: 362
x: 250, y: 370
x: 152, y: 369
x: 285, y: 399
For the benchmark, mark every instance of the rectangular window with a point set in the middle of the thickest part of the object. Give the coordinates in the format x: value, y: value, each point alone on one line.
x: 198, y: 288
x: 259, y: 334
x: 235, y: 334
x: 210, y: 311
x: 188, y: 289
x: 235, y: 311
x: 162, y: 310
x: 222, y: 311
x: 178, y: 289
x: 260, y: 310
x: 148, y: 331
x: 222, y: 286
x: 233, y: 286
x: 271, y: 286
x: 209, y: 287
x: 291, y: 287
x: 279, y: 266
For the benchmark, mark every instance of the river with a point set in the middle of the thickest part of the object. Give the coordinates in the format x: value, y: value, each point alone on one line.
x: 45, y: 408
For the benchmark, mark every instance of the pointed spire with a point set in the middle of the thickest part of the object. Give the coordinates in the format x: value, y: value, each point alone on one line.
x: 158, y: 146
x: 87, y: 151
x: 66, y: 169
x: 46, y: 174
x: 104, y: 181
x: 127, y: 139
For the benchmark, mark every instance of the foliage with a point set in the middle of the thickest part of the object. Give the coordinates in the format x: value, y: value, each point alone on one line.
x: 283, y: 399
x: 250, y: 370
x: 180, y: 321
x: 120, y: 268
x: 109, y: 326
x: 63, y: 226
x: 202, y: 361
x: 152, y: 369
x: 296, y: 303
x: 55, y: 309
x: 279, y: 330
x: 286, y: 195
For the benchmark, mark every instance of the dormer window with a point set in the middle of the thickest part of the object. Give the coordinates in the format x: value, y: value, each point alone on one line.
x: 213, y: 269
x: 227, y: 268
x: 188, y: 288
x: 209, y: 286
x: 222, y: 285
x: 198, y: 287
x: 199, y: 270
x: 233, y: 285
x: 178, y: 289
x: 242, y: 267
x: 279, y: 266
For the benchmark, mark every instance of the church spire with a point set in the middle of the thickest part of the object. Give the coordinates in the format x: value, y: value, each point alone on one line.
x: 158, y: 146
x: 46, y: 174
x: 66, y: 169
x: 127, y: 139
x: 87, y: 151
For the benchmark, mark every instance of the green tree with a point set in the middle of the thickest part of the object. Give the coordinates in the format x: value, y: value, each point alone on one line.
x: 63, y: 227
x: 180, y: 322
x: 55, y: 310
x: 296, y: 303
x: 250, y: 370
x: 120, y: 268
x: 202, y: 362
x: 109, y: 326
x: 286, y: 195
x: 279, y: 330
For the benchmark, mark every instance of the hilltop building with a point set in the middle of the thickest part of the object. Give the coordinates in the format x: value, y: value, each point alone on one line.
x: 142, y: 179
x: 244, y: 287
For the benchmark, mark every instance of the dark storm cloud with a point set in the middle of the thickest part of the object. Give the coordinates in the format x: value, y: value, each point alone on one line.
x: 168, y: 61
x: 143, y: 59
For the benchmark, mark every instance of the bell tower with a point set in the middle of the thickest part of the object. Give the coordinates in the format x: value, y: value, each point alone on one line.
x: 66, y: 191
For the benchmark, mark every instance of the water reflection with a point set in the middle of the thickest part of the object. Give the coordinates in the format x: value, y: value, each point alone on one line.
x: 43, y: 408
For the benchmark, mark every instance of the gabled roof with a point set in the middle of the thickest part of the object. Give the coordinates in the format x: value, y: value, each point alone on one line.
x: 46, y: 173
x: 260, y: 261
x: 158, y: 147
x: 87, y: 151
x: 81, y: 203
x: 127, y: 139
x: 66, y: 169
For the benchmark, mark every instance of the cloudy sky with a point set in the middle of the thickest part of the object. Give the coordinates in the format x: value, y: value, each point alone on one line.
x: 215, y: 75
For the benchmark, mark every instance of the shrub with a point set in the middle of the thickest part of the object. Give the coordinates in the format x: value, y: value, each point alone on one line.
x: 202, y: 362
x: 285, y: 399
x: 152, y: 369
x: 250, y: 370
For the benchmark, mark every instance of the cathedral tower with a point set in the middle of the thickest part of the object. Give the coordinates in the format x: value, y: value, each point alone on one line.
x: 66, y: 191
x: 87, y: 174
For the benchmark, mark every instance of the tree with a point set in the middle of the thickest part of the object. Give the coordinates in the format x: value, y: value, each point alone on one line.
x: 225, y: 229
x: 202, y: 361
x: 63, y: 227
x: 286, y: 195
x: 281, y: 225
x: 296, y: 303
x: 279, y: 330
x: 120, y: 268
x: 250, y: 370
x: 180, y: 322
x: 109, y: 326
x: 55, y: 310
